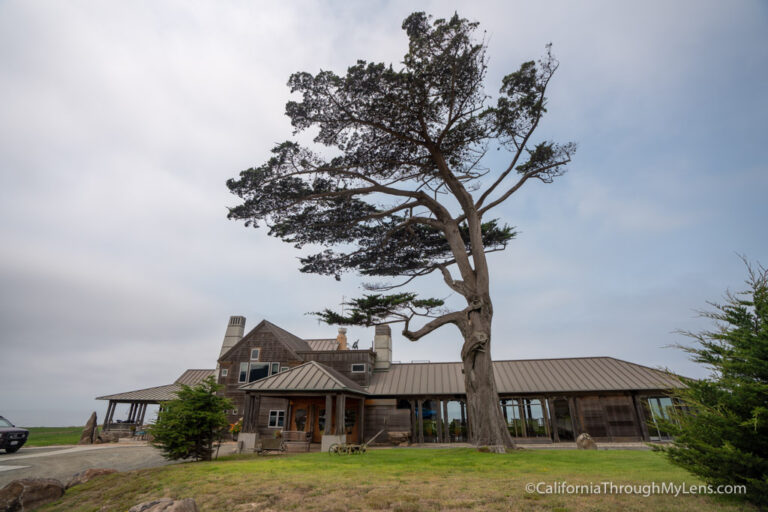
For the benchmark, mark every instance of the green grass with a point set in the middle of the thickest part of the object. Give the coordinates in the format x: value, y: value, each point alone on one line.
x: 398, y: 480
x: 48, y: 436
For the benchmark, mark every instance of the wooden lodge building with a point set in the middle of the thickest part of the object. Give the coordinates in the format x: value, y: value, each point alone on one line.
x: 331, y: 393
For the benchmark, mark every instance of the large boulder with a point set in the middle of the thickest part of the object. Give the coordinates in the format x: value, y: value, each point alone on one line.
x: 29, y: 493
x: 585, y: 442
x: 166, y: 505
x: 399, y: 437
x: 90, y: 431
x: 84, y: 476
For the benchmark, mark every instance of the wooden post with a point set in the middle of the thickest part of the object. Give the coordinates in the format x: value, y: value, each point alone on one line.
x: 637, y: 401
x: 413, y: 421
x: 112, y: 413
x: 521, y: 412
x: 339, y: 415
x: 438, y: 421
x: 446, y: 423
x: 547, y: 426
x: 576, y: 424
x: 328, y: 414
x: 106, y: 415
x: 553, y: 419
x: 362, y: 420
x: 421, y: 421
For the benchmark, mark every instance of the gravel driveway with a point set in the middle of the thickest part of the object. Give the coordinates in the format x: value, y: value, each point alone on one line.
x: 62, y: 462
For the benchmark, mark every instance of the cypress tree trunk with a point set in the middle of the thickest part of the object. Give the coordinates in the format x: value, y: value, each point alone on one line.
x: 483, y: 407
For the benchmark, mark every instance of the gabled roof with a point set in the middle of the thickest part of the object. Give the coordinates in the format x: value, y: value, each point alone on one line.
x: 291, y: 342
x: 323, y: 344
x: 524, y: 376
x: 308, y: 377
x: 162, y: 393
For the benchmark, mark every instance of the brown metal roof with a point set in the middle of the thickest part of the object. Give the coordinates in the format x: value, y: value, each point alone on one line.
x: 192, y: 377
x: 310, y: 377
x: 323, y: 344
x: 524, y: 376
x: 162, y: 393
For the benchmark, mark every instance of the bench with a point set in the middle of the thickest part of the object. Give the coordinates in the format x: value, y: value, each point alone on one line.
x: 270, y: 444
x: 296, y: 440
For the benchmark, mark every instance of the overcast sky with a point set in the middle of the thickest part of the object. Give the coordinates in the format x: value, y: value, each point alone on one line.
x: 121, y: 121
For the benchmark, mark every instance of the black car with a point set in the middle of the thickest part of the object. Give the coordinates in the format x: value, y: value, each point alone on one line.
x: 11, y: 438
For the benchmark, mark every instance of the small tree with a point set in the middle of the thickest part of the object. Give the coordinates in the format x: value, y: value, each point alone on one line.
x: 723, y: 434
x: 406, y: 190
x: 188, y: 426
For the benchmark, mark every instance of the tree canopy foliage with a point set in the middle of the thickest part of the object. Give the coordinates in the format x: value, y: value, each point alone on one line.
x: 188, y: 426
x: 723, y: 434
x: 401, y: 185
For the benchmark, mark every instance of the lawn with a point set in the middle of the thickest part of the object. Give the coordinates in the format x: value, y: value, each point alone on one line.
x: 48, y: 436
x: 398, y: 480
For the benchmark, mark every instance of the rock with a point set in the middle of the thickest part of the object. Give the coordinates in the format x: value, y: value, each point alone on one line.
x: 84, y: 476
x: 89, y: 432
x: 585, y: 442
x: 166, y: 505
x: 29, y: 493
x: 108, y: 437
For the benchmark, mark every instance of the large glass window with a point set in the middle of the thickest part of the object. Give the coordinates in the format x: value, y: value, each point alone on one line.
x: 258, y: 371
x: 243, y: 372
x: 659, y: 408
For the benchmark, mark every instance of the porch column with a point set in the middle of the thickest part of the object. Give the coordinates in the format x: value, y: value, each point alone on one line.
x: 637, y: 401
x: 106, y: 415
x: 413, y: 421
x: 574, y: 417
x: 421, y: 421
x: 553, y: 419
x: 143, y: 412
x: 362, y: 420
x: 328, y: 414
x: 112, y: 413
x: 521, y: 412
x: 251, y: 413
x: 439, y: 420
x: 446, y: 424
x: 547, y: 427
x: 130, y: 412
x: 339, y: 415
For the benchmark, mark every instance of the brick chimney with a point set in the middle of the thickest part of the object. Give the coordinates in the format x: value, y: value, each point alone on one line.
x: 342, y: 338
x: 382, y: 346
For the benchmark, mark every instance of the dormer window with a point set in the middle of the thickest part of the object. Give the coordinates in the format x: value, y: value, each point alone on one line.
x: 254, y: 354
x: 358, y: 368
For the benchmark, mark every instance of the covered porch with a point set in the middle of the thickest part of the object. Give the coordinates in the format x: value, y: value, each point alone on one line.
x: 323, y: 407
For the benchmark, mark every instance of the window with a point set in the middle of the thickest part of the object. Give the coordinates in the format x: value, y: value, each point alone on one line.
x: 258, y: 371
x: 358, y: 368
x: 224, y: 372
x: 284, y: 369
x: 276, y: 419
x: 275, y: 368
x: 243, y: 372
x: 255, y: 354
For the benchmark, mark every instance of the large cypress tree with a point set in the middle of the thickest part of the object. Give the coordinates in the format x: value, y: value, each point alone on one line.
x: 407, y: 190
x: 722, y: 434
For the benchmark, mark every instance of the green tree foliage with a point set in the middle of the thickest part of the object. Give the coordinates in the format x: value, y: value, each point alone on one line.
x: 722, y: 436
x: 401, y: 187
x: 188, y: 426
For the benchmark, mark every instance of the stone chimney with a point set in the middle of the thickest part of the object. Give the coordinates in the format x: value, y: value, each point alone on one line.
x: 382, y: 346
x: 234, y: 333
x: 342, y: 338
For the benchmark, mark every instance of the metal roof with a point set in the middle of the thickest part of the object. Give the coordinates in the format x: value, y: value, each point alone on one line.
x: 524, y: 376
x: 323, y: 344
x: 162, y: 393
x: 309, y: 377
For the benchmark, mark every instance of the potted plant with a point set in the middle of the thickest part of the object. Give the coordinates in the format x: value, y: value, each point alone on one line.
x: 235, y: 428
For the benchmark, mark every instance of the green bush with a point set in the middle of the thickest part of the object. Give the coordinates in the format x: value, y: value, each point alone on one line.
x: 188, y: 426
x: 722, y: 433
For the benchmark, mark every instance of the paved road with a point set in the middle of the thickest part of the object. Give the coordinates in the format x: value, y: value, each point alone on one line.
x: 64, y: 461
